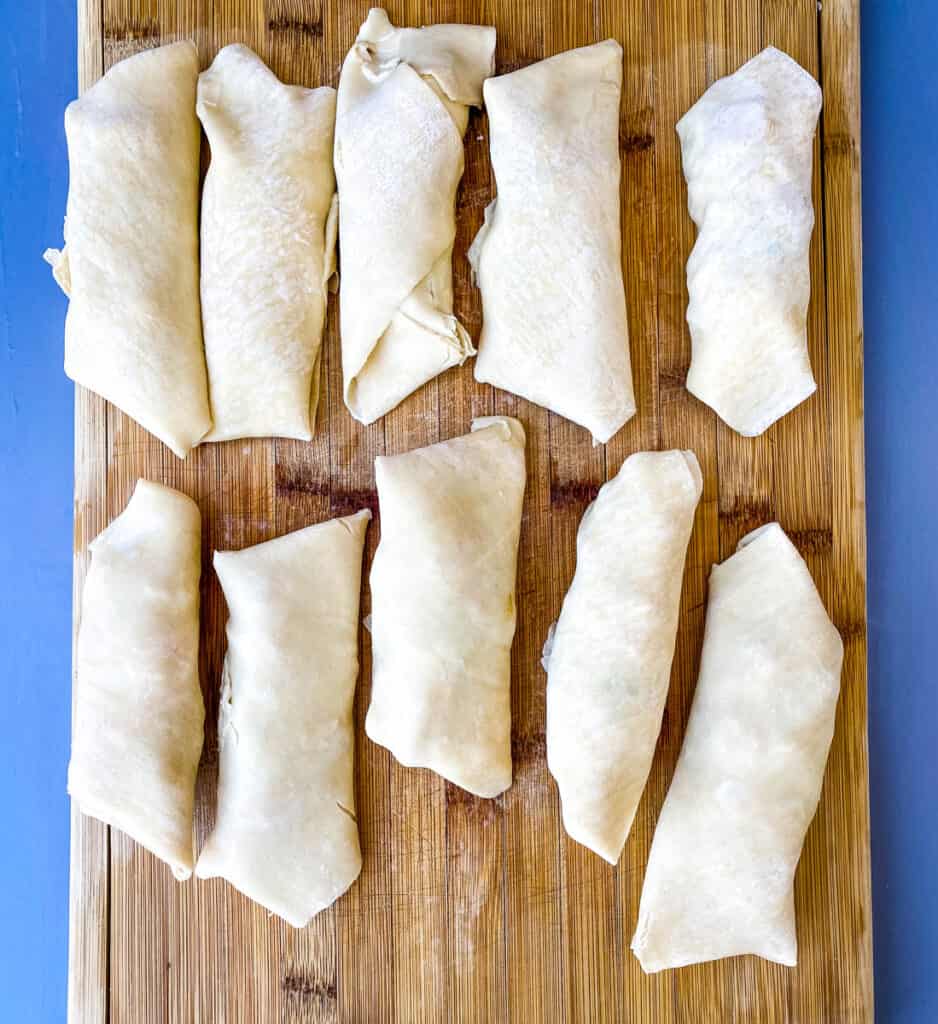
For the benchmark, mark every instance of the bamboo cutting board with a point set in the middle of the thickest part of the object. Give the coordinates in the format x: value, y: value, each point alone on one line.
x: 482, y: 910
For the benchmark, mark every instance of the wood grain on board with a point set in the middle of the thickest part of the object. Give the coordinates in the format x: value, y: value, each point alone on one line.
x: 484, y: 910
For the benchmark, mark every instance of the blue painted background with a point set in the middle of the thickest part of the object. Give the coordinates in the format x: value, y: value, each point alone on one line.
x: 900, y: 163
x: 900, y: 283
x: 37, y: 79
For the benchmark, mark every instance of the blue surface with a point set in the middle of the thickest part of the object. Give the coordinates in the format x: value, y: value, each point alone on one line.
x: 900, y: 282
x: 37, y: 79
x: 900, y: 105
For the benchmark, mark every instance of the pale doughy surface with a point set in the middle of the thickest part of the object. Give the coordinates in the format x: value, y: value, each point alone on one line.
x: 402, y: 110
x: 286, y: 833
x: 268, y: 245
x: 548, y: 258
x: 720, y: 874
x: 608, y: 660
x: 747, y: 152
x: 131, y: 264
x: 138, y: 713
x: 443, y: 604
